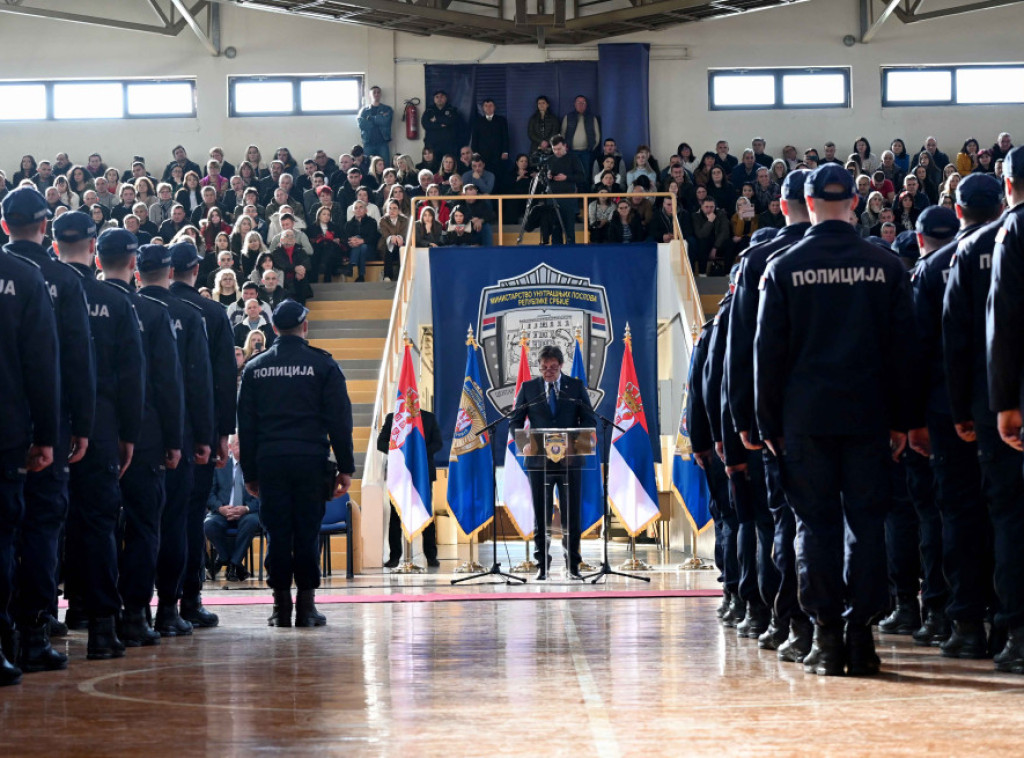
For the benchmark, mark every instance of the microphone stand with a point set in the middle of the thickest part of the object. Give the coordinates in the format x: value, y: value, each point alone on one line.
x: 495, y: 568
x: 606, y: 567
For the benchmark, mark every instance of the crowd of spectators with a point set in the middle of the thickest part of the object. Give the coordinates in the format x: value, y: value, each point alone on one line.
x: 282, y: 224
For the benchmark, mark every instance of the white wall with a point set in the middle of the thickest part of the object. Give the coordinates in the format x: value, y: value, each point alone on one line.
x: 803, y: 34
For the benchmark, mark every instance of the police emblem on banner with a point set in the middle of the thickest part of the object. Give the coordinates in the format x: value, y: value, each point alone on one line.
x: 549, y: 305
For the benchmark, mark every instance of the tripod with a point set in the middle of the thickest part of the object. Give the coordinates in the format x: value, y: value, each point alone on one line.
x: 539, y: 184
x: 495, y: 568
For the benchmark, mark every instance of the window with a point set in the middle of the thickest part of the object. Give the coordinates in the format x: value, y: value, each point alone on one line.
x: 294, y: 95
x: 97, y: 99
x: 778, y: 88
x: 22, y: 102
x: 952, y: 85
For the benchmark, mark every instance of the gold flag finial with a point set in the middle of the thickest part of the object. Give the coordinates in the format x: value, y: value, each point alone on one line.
x: 470, y: 338
x: 405, y: 338
x: 628, y: 339
x: 523, y: 339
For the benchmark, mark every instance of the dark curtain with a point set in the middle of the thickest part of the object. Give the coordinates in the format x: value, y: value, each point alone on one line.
x: 623, y: 74
x: 515, y: 87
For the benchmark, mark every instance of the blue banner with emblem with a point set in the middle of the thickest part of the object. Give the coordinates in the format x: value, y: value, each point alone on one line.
x: 550, y: 293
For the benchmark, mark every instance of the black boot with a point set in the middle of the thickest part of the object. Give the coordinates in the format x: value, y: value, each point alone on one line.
x: 861, y: 659
x: 168, y: 623
x: 934, y: 631
x: 9, y: 673
x: 968, y: 640
x: 736, y: 613
x: 135, y: 630
x: 282, y: 615
x: 192, y: 611
x: 796, y: 648
x: 36, y: 652
x: 103, y: 642
x: 56, y: 627
x: 905, y: 619
x: 1011, y: 658
x: 756, y: 621
x: 306, y: 613
x: 76, y: 619
x: 723, y: 607
x: 774, y: 636
x: 828, y: 655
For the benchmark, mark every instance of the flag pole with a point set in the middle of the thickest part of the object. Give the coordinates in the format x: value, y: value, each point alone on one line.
x: 584, y: 567
x: 633, y: 563
x: 527, y: 565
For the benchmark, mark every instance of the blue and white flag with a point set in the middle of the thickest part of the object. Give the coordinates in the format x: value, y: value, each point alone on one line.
x: 471, y: 467
x: 689, y: 483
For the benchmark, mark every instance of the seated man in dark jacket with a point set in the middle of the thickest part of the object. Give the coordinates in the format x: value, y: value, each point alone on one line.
x: 231, y: 508
x: 361, y: 235
x: 295, y: 263
x: 432, y: 432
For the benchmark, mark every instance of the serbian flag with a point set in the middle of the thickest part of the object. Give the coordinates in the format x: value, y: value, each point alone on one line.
x: 408, y: 467
x: 516, y: 489
x: 470, y: 467
x: 689, y: 483
x: 632, y: 490
x: 591, y: 501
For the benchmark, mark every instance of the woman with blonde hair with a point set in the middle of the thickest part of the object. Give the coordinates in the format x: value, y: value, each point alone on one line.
x: 406, y: 168
x: 255, y: 344
x: 255, y: 159
x: 225, y: 287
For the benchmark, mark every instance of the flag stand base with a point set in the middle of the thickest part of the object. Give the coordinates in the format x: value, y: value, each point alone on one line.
x: 633, y: 563
x: 527, y: 565
x: 471, y: 566
x: 693, y: 564
x: 407, y: 566
x: 586, y: 567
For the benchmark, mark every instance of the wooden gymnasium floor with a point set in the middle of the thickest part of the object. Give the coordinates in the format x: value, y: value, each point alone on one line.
x: 606, y: 676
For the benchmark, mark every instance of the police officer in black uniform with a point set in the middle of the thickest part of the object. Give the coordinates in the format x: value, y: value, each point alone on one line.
x: 158, y: 449
x: 979, y: 205
x: 221, y: 344
x: 759, y: 577
x: 703, y: 446
x: 29, y: 386
x: 120, y: 396
x: 966, y: 534
x: 194, y: 361
x: 1005, y: 338
x: 46, y: 492
x: 790, y: 631
x: 833, y: 358
x: 292, y: 400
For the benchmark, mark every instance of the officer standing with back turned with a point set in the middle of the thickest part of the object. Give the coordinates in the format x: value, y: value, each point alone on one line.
x: 30, y: 391
x: 832, y: 365
x: 292, y: 400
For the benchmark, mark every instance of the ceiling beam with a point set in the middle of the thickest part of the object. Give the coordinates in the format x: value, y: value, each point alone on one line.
x: 168, y: 30
x: 913, y: 17
x: 868, y: 32
x: 189, y: 15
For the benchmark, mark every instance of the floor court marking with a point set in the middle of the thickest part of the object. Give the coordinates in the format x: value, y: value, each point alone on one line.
x: 597, y: 709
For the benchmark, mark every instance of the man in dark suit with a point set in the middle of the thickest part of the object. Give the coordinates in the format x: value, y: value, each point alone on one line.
x: 432, y: 436
x: 554, y: 400
x: 231, y: 507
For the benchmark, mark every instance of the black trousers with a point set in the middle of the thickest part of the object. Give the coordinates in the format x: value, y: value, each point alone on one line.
x: 195, y: 535
x: 91, y: 543
x: 920, y: 483
x: 966, y: 531
x: 542, y: 486
x: 902, y: 555
x: 726, y: 527
x: 35, y: 575
x: 395, y: 538
x: 787, y: 605
x: 1003, y: 486
x: 170, y: 562
x: 291, y: 511
x: 839, y: 489
x: 12, y: 507
x: 143, y: 491
x: 759, y: 577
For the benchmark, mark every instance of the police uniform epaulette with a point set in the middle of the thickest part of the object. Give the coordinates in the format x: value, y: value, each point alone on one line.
x: 191, y: 304
x: 707, y: 323
x: 321, y: 351
x: 154, y: 300
x: 119, y: 289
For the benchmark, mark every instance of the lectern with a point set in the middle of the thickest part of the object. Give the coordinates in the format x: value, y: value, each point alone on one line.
x: 559, y: 454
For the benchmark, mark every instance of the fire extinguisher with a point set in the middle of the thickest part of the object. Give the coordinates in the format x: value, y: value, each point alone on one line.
x: 411, y: 119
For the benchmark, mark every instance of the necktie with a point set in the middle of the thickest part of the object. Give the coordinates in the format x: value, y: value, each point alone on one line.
x: 552, y: 403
